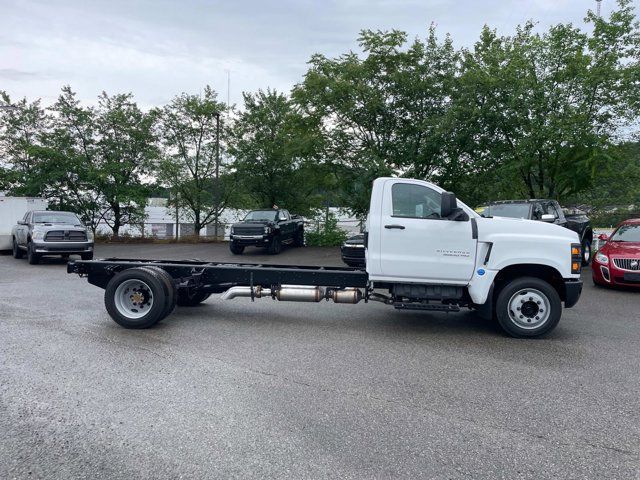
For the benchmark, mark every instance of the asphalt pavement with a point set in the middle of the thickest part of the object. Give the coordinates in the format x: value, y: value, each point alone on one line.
x: 291, y: 390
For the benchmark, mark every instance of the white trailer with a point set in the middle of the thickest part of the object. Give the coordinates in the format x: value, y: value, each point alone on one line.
x: 13, y: 209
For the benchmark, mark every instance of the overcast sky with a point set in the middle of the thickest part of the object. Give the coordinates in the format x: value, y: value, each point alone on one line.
x: 157, y: 48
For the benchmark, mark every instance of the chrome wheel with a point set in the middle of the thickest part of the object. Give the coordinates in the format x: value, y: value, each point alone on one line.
x: 133, y: 299
x: 529, y: 308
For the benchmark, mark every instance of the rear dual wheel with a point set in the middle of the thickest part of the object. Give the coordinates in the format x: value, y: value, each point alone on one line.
x: 140, y: 297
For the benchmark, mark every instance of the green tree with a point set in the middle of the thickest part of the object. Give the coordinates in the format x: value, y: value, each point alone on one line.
x: 274, y: 150
x: 382, y: 113
x: 112, y: 148
x: 190, y: 127
x: 21, y: 129
x: 535, y: 114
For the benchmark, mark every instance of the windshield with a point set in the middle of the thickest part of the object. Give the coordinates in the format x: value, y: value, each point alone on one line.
x: 513, y: 210
x: 56, y: 217
x: 626, y: 233
x: 261, y: 215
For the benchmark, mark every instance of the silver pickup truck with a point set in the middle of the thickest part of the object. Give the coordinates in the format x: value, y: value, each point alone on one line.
x: 45, y: 233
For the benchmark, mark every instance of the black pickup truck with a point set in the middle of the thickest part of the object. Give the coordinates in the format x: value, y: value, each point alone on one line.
x: 270, y: 228
x: 545, y: 211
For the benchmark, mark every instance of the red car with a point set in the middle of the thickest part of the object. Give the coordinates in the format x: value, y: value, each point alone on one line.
x: 618, y: 261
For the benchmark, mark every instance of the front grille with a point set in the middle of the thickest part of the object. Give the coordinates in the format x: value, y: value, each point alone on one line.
x: 65, y: 236
x: 248, y: 230
x: 353, y: 252
x: 632, y: 264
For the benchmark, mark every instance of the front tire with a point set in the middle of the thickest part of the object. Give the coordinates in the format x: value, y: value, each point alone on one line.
x: 32, y: 257
x: 17, y: 253
x: 586, y: 253
x: 235, y: 248
x: 528, y: 307
x: 136, y: 298
x: 275, y: 247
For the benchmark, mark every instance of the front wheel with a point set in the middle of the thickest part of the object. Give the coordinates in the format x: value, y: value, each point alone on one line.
x: 586, y: 253
x: 32, y: 257
x: 17, y: 253
x: 275, y: 246
x: 528, y: 307
x: 235, y: 248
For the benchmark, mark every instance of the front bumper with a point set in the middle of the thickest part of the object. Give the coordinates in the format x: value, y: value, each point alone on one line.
x: 609, y: 274
x: 62, y: 247
x: 573, y: 290
x: 245, y: 240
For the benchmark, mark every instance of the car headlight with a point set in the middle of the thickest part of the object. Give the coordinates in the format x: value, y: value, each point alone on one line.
x: 37, y: 235
x: 90, y: 235
x: 267, y: 229
x: 602, y: 258
x: 231, y: 231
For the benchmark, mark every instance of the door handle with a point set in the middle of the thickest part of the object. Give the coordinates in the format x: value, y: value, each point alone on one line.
x: 399, y: 227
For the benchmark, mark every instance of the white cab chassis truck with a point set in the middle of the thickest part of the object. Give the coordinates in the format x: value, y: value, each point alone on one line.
x: 425, y: 251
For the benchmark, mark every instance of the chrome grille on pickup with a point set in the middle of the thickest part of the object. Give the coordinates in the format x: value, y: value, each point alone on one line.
x: 632, y: 264
x: 65, y: 236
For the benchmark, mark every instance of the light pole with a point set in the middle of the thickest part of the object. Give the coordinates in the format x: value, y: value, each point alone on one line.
x: 216, y: 191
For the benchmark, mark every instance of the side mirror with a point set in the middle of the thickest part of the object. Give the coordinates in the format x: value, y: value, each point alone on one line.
x: 448, y: 204
x: 21, y: 222
x: 449, y: 208
x: 603, y: 237
x: 547, y: 217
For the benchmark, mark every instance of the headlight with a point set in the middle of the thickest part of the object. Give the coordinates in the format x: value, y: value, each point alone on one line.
x: 37, y: 235
x: 267, y: 229
x: 90, y: 235
x: 602, y: 258
x: 231, y: 231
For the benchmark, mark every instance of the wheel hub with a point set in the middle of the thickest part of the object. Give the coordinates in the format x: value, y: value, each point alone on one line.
x: 529, y: 308
x: 133, y: 298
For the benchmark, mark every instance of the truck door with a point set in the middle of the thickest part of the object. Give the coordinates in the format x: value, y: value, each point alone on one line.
x: 416, y: 243
x: 284, y: 220
x: 22, y: 230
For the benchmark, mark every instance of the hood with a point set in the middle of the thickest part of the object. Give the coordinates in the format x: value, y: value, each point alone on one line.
x: 622, y: 249
x: 254, y: 223
x: 49, y: 226
x: 489, y: 227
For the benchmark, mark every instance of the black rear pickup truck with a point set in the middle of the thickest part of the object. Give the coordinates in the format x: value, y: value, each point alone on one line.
x: 545, y: 211
x: 267, y: 228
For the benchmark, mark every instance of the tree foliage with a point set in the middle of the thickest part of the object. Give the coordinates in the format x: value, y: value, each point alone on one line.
x: 274, y: 149
x: 189, y: 127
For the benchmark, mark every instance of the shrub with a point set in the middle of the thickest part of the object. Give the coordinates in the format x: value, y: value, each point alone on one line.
x: 326, y: 232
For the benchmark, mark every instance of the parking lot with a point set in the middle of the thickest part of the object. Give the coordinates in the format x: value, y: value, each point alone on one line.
x: 268, y: 389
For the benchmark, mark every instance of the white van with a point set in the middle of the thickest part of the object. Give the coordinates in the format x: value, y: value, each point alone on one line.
x: 13, y: 209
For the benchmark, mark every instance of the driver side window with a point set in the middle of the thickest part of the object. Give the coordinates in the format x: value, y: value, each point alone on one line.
x: 415, y: 201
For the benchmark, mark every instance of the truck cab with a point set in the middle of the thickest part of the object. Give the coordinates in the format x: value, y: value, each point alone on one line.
x: 424, y: 245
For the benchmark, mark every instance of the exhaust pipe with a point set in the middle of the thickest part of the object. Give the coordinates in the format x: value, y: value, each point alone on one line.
x: 296, y: 293
x: 234, y: 292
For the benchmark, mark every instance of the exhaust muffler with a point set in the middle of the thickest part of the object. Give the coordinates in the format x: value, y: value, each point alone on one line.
x: 296, y: 293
